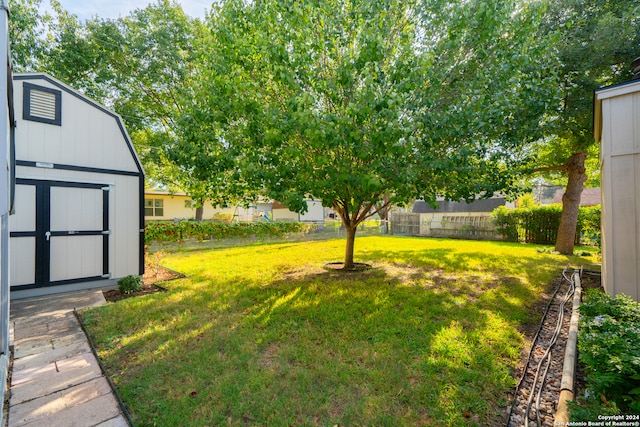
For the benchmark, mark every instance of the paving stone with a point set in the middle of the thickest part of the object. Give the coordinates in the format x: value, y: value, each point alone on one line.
x: 26, y: 330
x: 31, y: 383
x: 52, y: 404
x: 48, y: 343
x: 69, y: 339
x: 25, y: 320
x: 56, y: 304
x: 87, y: 414
x: 119, y: 421
x: 50, y: 356
x: 34, y: 347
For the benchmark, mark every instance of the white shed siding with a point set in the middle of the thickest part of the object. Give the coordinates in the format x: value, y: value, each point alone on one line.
x: 84, y: 164
x: 23, y: 262
x: 125, y: 243
x: 617, y: 126
x: 86, y: 136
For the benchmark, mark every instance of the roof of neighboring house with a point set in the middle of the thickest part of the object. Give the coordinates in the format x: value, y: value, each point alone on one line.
x: 164, y: 193
x: 545, y: 193
x: 589, y: 197
x: 482, y: 205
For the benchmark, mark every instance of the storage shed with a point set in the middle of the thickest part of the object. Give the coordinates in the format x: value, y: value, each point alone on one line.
x: 617, y: 128
x: 314, y: 213
x: 79, y: 219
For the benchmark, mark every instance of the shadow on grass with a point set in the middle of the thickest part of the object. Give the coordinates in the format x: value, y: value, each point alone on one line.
x: 379, y: 347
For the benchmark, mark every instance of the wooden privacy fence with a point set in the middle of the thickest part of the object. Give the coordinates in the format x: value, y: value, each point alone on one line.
x: 405, y: 224
x: 472, y: 227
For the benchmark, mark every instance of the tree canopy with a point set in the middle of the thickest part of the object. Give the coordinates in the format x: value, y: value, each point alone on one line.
x: 362, y: 104
x: 594, y: 43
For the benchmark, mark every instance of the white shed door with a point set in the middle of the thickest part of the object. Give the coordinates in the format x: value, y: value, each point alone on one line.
x: 60, y: 234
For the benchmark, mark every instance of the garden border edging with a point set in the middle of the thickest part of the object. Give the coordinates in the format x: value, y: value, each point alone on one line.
x: 569, y: 368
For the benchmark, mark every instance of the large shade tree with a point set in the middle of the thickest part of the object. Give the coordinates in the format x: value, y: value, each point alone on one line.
x: 595, y: 42
x: 140, y: 65
x: 364, y: 104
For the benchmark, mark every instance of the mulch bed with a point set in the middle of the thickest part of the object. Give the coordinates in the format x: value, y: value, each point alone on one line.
x: 357, y: 266
x: 152, y: 276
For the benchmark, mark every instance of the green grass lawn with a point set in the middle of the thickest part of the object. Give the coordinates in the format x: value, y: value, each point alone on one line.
x: 264, y: 335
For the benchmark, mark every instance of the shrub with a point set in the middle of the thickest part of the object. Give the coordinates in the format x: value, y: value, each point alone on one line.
x: 164, y: 231
x: 609, y: 351
x: 506, y: 223
x: 589, y: 225
x: 540, y: 224
x: 130, y: 284
x: 532, y: 225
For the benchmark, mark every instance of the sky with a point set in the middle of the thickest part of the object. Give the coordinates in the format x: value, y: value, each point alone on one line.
x: 85, y: 9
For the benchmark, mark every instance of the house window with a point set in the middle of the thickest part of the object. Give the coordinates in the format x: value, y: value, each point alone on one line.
x: 42, y: 104
x: 153, y: 207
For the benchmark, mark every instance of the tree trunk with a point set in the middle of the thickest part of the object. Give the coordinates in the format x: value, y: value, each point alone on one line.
x: 571, y: 203
x: 199, y: 212
x: 351, y: 238
x: 384, y: 214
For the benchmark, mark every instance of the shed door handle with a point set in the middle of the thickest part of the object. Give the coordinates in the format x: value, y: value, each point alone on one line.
x: 47, y: 235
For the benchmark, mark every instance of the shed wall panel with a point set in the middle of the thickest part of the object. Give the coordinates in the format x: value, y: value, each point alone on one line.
x: 624, y: 252
x: 618, y: 111
x: 315, y: 212
x: 620, y: 116
x: 23, y: 260
x: 124, y: 214
x: 78, y: 209
x: 25, y: 203
x: 285, y: 215
x: 75, y: 256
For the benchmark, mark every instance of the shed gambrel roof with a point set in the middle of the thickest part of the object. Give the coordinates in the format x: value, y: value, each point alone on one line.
x: 50, y: 81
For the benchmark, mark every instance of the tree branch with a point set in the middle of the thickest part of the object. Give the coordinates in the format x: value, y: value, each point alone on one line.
x: 551, y: 168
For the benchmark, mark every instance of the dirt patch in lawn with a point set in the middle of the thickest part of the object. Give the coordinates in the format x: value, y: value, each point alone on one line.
x: 152, y: 276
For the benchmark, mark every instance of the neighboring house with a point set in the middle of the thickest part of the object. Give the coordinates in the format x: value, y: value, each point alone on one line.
x: 544, y: 193
x: 7, y: 132
x: 617, y: 128
x: 166, y: 206
x: 314, y: 213
x: 589, y: 197
x: 79, y: 219
x: 163, y: 205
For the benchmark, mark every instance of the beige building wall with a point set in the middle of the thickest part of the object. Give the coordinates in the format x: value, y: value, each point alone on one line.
x: 167, y: 207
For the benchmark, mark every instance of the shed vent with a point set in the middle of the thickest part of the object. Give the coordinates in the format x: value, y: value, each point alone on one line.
x: 42, y: 104
x: 636, y: 68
